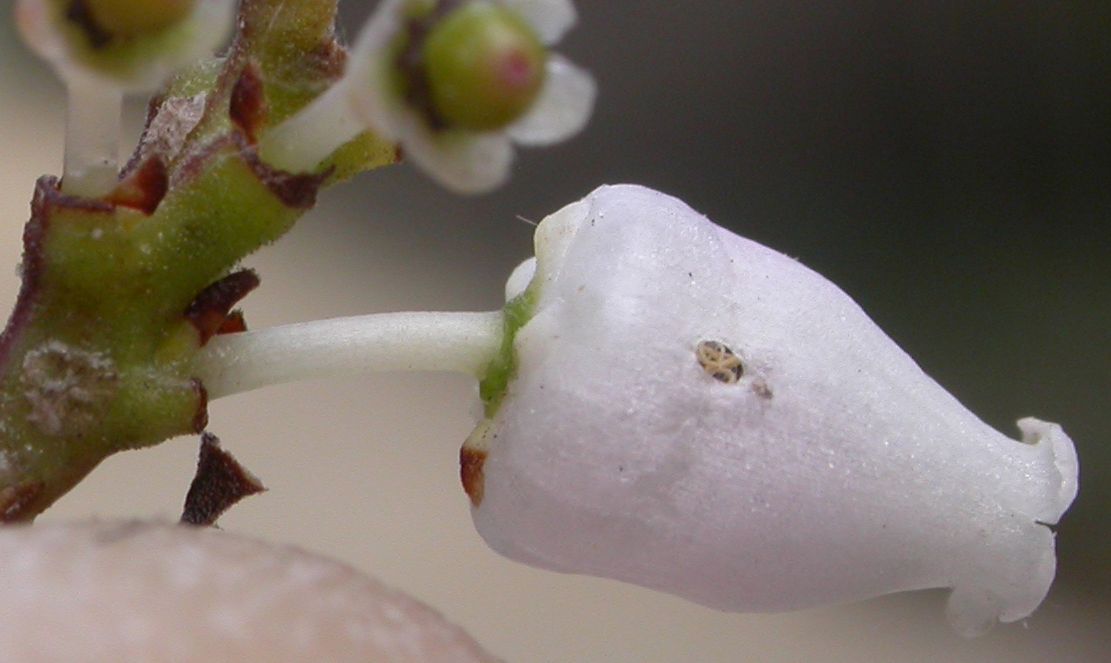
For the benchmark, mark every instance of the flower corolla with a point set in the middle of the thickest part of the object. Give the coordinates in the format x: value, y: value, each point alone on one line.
x: 685, y: 409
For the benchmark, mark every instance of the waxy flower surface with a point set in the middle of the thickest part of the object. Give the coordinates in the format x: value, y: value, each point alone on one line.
x: 685, y: 409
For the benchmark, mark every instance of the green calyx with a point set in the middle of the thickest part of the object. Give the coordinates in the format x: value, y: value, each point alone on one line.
x: 492, y: 387
x: 125, y: 19
x: 485, y: 67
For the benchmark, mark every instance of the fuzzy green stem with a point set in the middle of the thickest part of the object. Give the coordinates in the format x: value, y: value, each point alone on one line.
x: 459, y: 342
x: 119, y: 293
x: 92, y: 137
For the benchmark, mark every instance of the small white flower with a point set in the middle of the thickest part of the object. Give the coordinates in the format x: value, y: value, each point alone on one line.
x: 696, y: 413
x: 465, y: 159
x: 123, y: 44
x: 104, y: 49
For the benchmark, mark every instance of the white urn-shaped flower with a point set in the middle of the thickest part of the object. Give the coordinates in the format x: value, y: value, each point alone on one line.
x: 682, y: 408
x: 672, y: 405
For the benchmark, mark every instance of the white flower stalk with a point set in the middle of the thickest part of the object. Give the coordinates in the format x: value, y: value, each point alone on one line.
x: 93, y: 124
x: 132, y: 591
x: 455, y: 83
x: 459, y: 342
x: 104, y: 49
x: 675, y: 406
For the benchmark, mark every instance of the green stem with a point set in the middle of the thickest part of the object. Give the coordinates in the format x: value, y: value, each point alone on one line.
x: 121, y: 291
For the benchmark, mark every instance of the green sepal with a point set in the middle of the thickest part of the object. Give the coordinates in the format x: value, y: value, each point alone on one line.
x: 503, y: 368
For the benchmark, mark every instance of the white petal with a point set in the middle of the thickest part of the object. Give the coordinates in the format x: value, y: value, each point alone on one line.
x: 36, y: 27
x: 372, y: 101
x: 378, y: 31
x: 519, y: 279
x: 550, y: 18
x: 562, y: 109
x: 461, y: 161
x: 367, y: 78
x: 46, y: 30
x: 834, y: 469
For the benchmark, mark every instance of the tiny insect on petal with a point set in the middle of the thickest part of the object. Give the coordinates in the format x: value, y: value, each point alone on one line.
x: 719, y: 362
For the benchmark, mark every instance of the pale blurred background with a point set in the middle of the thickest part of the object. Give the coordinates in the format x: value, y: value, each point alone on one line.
x: 946, y: 163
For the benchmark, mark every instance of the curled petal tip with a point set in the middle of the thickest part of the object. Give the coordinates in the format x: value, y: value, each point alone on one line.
x: 1062, y: 465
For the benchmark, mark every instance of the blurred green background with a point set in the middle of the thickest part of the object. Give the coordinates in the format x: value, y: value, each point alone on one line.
x: 946, y: 163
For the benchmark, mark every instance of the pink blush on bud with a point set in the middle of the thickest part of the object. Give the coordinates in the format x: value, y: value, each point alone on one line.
x: 516, y: 71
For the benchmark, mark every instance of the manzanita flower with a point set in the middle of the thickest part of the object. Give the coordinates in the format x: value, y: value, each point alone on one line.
x: 454, y: 83
x: 678, y: 407
x: 691, y: 411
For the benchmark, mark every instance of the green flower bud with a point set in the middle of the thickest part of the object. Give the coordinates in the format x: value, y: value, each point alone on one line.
x: 131, y: 18
x: 485, y: 67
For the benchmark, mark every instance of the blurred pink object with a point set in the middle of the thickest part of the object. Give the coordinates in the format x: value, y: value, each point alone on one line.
x: 136, y: 591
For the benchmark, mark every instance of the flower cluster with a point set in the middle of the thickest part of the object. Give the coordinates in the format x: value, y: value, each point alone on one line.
x: 665, y: 402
